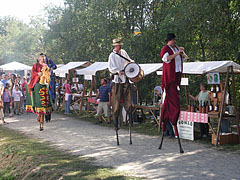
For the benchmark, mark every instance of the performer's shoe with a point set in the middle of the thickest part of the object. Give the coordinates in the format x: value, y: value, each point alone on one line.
x: 41, y: 128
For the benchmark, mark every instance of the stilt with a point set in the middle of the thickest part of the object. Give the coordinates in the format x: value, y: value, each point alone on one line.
x: 160, y: 146
x: 130, y: 128
x: 180, y: 146
x: 116, y: 128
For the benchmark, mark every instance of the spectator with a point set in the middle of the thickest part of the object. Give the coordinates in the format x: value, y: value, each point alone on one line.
x: 1, y: 103
x: 24, y: 82
x: 17, y: 98
x: 156, y: 101
x: 4, y: 80
x: 6, y: 100
x: 68, y: 96
x: 104, y: 95
x: 203, y: 97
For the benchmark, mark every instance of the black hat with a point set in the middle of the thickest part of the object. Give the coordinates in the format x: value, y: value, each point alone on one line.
x: 170, y: 36
x: 42, y: 54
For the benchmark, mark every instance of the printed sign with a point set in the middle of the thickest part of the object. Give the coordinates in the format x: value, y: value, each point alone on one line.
x: 74, y: 79
x: 186, y: 130
x: 213, y: 78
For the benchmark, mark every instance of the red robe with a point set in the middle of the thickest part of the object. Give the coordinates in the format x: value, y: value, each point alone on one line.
x: 35, y: 78
x: 170, y: 81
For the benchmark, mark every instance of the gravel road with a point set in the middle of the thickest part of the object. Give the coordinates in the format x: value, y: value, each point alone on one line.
x: 143, y: 158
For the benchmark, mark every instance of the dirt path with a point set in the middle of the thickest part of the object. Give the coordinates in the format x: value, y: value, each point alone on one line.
x: 141, y: 159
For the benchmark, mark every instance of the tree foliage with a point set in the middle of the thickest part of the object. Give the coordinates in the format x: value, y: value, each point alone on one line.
x: 20, y: 41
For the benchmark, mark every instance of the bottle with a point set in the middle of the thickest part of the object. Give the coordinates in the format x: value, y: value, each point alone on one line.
x: 212, y: 89
x: 192, y: 106
x: 216, y: 107
x: 189, y: 106
x: 200, y: 107
x: 207, y: 107
x: 217, y: 88
x: 214, y: 93
x: 203, y: 107
x: 210, y: 107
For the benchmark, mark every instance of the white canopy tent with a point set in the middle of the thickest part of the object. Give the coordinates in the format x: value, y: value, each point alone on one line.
x: 93, y: 68
x: 150, y: 68
x: 198, y: 68
x: 15, y: 66
x: 63, y: 70
x: 100, y: 66
x: 209, y: 67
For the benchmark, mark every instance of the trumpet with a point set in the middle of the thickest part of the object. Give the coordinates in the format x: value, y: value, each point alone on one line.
x: 184, y: 55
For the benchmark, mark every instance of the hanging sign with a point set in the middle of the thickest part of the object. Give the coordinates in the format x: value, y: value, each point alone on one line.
x: 213, y: 78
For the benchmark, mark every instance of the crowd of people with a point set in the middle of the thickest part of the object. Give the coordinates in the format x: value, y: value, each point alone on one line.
x: 13, y: 95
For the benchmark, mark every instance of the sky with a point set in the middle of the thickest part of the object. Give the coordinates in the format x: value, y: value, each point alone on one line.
x: 23, y: 9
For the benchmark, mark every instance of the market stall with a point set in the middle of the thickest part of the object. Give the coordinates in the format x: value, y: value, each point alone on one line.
x: 16, y: 66
x: 91, y: 72
x: 213, y: 70
x: 64, y: 71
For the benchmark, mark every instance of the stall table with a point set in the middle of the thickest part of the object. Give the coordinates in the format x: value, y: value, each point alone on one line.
x: 151, y: 108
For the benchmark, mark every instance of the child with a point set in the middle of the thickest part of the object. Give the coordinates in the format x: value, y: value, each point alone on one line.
x: 6, y: 100
x: 17, y: 98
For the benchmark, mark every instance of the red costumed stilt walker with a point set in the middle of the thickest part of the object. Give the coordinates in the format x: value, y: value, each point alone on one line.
x: 171, y: 79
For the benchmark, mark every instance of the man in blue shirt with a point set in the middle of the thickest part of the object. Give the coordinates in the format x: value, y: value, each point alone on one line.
x: 4, y: 80
x: 104, y: 94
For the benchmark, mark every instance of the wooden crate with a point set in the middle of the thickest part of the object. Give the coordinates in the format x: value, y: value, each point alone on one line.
x: 226, y: 139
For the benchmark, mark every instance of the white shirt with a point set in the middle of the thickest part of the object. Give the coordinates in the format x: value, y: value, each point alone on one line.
x: 178, y: 60
x: 17, y: 95
x: 80, y: 86
x: 117, y: 64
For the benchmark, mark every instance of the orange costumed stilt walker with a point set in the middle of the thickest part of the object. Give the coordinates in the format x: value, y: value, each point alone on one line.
x: 38, y: 96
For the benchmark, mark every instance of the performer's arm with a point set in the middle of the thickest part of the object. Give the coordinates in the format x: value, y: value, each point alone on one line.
x: 112, y: 67
x: 97, y: 96
x: 53, y: 65
x: 168, y: 58
x: 109, y: 97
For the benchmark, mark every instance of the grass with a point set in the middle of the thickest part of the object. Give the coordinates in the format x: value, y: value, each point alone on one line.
x: 24, y: 158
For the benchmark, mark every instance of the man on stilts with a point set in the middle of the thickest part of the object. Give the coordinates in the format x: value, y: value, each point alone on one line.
x: 121, y: 86
x: 171, y: 79
x: 52, y: 66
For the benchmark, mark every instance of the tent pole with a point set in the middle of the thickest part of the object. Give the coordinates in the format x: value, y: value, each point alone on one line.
x: 222, y: 106
x: 186, y: 92
x: 235, y: 103
x: 90, y: 95
x: 83, y: 95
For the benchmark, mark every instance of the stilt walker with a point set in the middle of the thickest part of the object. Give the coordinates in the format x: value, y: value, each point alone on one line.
x: 52, y: 66
x: 171, y: 79
x: 37, y: 91
x: 121, y: 86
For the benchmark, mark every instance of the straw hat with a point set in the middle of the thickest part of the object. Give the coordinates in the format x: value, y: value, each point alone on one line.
x: 117, y: 42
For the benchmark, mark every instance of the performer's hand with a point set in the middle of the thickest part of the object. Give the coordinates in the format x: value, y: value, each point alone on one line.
x: 121, y: 73
x: 180, y: 51
x: 181, y: 48
x: 40, y: 73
